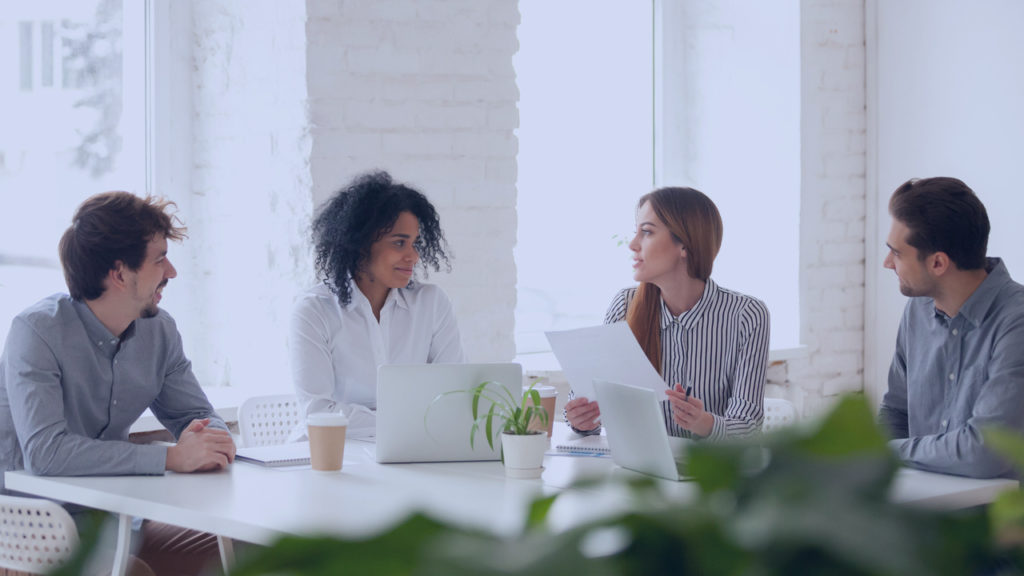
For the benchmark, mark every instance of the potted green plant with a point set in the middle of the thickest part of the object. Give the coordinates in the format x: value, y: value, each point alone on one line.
x: 522, y: 447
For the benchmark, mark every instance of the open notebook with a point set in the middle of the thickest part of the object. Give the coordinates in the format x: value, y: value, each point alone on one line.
x: 589, y: 445
x: 292, y: 454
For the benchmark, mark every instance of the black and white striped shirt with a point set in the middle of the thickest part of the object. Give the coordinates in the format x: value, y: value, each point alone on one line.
x: 720, y: 347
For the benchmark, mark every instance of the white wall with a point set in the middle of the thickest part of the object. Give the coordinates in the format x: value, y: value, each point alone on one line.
x: 585, y: 145
x: 250, y: 198
x: 290, y: 100
x: 832, y: 203
x: 757, y: 118
x: 728, y: 118
x: 947, y: 82
x: 425, y: 89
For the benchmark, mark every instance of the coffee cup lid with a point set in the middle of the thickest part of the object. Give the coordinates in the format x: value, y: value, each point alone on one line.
x: 327, y: 419
x: 544, y: 390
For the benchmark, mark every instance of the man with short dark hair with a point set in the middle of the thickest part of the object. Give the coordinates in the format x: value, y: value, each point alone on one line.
x: 77, y: 370
x: 959, y: 361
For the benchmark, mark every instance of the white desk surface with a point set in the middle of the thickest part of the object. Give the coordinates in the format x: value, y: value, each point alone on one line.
x: 256, y: 504
x: 942, y: 491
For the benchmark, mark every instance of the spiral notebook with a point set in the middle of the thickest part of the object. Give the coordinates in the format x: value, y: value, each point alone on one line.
x: 586, y: 445
x: 293, y: 454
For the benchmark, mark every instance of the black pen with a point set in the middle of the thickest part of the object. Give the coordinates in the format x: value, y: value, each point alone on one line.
x: 689, y: 391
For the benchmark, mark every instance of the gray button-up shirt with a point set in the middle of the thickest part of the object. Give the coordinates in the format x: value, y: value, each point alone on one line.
x: 70, y: 390
x: 952, y: 377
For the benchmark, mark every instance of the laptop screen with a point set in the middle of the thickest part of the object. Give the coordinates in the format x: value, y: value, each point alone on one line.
x: 423, y: 416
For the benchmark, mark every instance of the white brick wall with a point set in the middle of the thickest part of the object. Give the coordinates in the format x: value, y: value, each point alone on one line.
x: 832, y: 205
x: 250, y: 200
x: 291, y: 100
x: 426, y: 90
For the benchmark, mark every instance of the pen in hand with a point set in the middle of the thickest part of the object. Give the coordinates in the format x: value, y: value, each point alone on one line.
x: 689, y: 391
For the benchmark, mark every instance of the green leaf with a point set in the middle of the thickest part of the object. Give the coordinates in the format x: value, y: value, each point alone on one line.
x: 476, y: 398
x: 850, y: 428
x: 88, y: 543
x: 398, y: 551
x: 490, y: 427
x: 538, y: 512
x: 534, y: 397
x: 1006, y: 515
x: 542, y: 413
x: 712, y: 469
x: 1007, y: 443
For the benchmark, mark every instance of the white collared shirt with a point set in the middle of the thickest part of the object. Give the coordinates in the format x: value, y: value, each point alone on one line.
x: 335, y: 349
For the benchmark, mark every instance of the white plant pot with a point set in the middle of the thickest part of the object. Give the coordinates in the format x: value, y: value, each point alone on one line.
x: 524, y: 454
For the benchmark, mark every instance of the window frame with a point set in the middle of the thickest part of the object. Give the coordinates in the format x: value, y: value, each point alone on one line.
x: 668, y: 56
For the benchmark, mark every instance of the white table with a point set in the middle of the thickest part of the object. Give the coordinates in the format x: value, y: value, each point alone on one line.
x: 945, y: 492
x: 256, y: 504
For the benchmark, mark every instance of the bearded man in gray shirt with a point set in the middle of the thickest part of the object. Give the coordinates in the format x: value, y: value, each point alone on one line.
x: 959, y: 361
x: 77, y: 370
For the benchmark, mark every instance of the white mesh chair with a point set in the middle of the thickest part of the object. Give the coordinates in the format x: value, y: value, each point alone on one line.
x: 268, y: 420
x: 778, y: 413
x: 36, y: 535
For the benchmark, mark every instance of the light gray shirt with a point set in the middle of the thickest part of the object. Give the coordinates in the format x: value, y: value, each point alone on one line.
x: 70, y: 390
x: 952, y: 377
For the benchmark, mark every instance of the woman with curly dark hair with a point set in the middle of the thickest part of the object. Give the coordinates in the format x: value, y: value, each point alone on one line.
x: 368, y: 310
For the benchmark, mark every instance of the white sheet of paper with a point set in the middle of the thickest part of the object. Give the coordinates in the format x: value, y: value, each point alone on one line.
x: 606, y: 352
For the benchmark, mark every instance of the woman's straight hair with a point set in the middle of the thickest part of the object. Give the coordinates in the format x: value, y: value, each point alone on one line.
x: 695, y: 224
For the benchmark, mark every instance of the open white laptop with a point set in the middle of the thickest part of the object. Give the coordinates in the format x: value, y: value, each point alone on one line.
x: 636, y: 432
x: 413, y: 427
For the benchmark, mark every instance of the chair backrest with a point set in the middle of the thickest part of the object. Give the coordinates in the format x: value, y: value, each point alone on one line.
x: 778, y: 413
x: 268, y: 420
x: 36, y: 535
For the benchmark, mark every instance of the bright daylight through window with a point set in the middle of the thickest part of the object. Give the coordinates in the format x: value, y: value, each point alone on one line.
x: 648, y: 94
x: 71, y: 125
x: 585, y: 155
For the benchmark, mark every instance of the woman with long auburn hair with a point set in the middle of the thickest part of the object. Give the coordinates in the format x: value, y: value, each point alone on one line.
x: 709, y: 344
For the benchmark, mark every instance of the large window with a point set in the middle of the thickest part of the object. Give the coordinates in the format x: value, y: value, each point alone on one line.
x: 585, y: 155
x: 644, y: 94
x: 728, y: 123
x: 71, y: 124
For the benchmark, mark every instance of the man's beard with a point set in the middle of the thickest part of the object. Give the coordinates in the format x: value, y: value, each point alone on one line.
x: 912, y: 291
x: 150, y: 311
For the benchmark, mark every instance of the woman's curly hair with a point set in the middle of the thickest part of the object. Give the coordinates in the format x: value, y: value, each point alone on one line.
x: 360, y: 214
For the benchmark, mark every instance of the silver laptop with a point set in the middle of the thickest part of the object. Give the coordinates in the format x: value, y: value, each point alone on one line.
x: 636, y: 432
x: 413, y: 427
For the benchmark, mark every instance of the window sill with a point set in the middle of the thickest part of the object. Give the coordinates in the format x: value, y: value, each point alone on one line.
x: 546, y: 361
